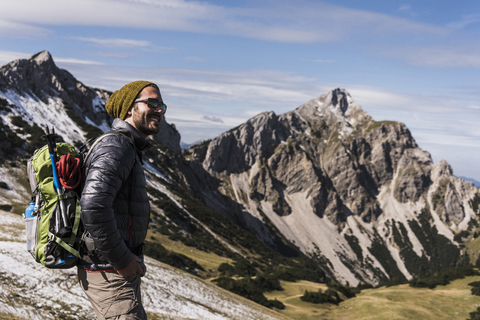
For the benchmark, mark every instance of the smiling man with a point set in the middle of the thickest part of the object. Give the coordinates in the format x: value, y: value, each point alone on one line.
x: 115, y: 206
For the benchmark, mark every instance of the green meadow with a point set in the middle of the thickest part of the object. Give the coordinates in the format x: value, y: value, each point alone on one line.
x: 453, y: 301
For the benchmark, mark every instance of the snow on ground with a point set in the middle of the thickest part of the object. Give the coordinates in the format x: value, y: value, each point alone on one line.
x: 51, y: 114
x: 30, y: 291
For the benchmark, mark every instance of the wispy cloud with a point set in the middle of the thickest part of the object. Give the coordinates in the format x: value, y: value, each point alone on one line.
x: 302, y: 21
x: 435, y: 56
x: 8, y: 56
x: 407, y: 9
x: 21, y: 29
x: 213, y: 119
x: 116, y: 42
x: 77, y: 61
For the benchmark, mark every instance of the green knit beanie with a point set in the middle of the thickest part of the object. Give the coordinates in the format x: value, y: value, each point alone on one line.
x: 121, y: 100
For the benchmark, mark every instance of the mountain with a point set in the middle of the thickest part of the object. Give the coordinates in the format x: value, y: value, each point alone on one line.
x: 356, y: 195
x: 321, y: 193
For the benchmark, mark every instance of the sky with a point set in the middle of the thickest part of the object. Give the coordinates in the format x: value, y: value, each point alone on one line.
x: 219, y: 63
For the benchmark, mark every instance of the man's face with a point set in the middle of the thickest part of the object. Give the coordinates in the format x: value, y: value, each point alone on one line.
x: 141, y: 117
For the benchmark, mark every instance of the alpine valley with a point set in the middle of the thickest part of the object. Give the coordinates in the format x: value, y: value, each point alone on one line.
x: 321, y: 193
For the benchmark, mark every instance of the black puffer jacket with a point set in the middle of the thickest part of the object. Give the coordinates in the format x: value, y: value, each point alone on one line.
x: 115, y: 206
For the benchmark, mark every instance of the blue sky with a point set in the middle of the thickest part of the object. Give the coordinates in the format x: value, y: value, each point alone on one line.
x: 219, y: 63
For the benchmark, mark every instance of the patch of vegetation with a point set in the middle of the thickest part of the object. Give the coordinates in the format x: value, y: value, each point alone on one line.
x: 226, y: 269
x: 253, y: 289
x: 6, y: 207
x: 36, y: 139
x: 9, y: 140
x: 443, y: 277
x: 330, y: 296
x: 459, y: 237
x: 18, y: 121
x: 347, y: 291
x: 180, y: 227
x: 4, y: 185
x: 156, y: 251
x: 443, y: 254
x: 472, y: 224
x: 4, y: 105
x: 475, y: 315
x: 381, y: 253
x: 377, y: 124
x: 36, y: 134
x: 354, y: 245
x: 475, y: 203
x: 413, y: 263
x: 476, y: 288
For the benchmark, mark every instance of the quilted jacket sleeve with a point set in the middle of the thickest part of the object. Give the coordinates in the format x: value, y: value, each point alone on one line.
x: 107, y: 168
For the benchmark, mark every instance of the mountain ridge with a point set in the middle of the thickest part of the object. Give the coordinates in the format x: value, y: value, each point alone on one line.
x: 328, y: 158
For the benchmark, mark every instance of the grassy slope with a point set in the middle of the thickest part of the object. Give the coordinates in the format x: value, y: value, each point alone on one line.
x: 474, y: 247
x: 453, y: 301
x: 209, y: 261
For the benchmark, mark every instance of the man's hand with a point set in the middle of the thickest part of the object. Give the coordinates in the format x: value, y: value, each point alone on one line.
x: 136, y: 266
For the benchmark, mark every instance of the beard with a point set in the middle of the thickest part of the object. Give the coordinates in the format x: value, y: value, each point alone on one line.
x: 145, y: 123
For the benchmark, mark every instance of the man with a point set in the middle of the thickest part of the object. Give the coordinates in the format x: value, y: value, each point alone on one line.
x: 115, y: 207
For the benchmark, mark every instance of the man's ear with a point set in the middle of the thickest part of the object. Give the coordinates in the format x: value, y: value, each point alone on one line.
x: 129, y: 113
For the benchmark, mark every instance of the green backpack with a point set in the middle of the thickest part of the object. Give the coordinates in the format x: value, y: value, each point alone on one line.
x: 52, y: 220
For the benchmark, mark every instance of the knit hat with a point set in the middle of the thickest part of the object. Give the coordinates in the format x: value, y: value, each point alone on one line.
x: 121, y: 100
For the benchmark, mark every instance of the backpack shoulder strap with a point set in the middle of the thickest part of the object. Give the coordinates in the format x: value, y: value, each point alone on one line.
x: 106, y: 134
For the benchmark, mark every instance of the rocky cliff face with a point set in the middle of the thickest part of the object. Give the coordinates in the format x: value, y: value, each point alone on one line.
x: 358, y: 195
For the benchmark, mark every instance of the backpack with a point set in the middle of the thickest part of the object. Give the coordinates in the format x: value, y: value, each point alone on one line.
x: 52, y: 220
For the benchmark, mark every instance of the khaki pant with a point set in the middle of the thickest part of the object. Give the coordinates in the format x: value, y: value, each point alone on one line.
x: 112, y: 296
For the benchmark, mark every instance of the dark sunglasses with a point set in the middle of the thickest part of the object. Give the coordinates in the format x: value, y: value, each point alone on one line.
x: 154, y: 104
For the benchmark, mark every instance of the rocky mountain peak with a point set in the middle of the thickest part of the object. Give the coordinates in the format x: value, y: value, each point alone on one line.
x: 42, y: 93
x: 336, y: 98
x: 43, y: 57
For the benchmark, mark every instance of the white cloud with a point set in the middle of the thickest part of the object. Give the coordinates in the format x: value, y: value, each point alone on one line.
x: 302, y: 21
x: 9, y: 56
x: 116, y: 42
x: 76, y: 61
x: 435, y: 56
x: 405, y: 7
x: 21, y: 29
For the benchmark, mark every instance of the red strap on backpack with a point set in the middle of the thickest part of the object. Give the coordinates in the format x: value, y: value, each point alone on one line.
x: 68, y: 171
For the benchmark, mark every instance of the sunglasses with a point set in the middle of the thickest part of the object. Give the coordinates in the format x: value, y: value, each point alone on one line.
x: 154, y: 104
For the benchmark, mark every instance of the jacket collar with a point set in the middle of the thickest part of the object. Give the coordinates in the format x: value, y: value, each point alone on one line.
x: 140, y: 143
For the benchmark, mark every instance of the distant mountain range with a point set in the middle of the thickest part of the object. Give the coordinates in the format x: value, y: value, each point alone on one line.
x: 323, y: 186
